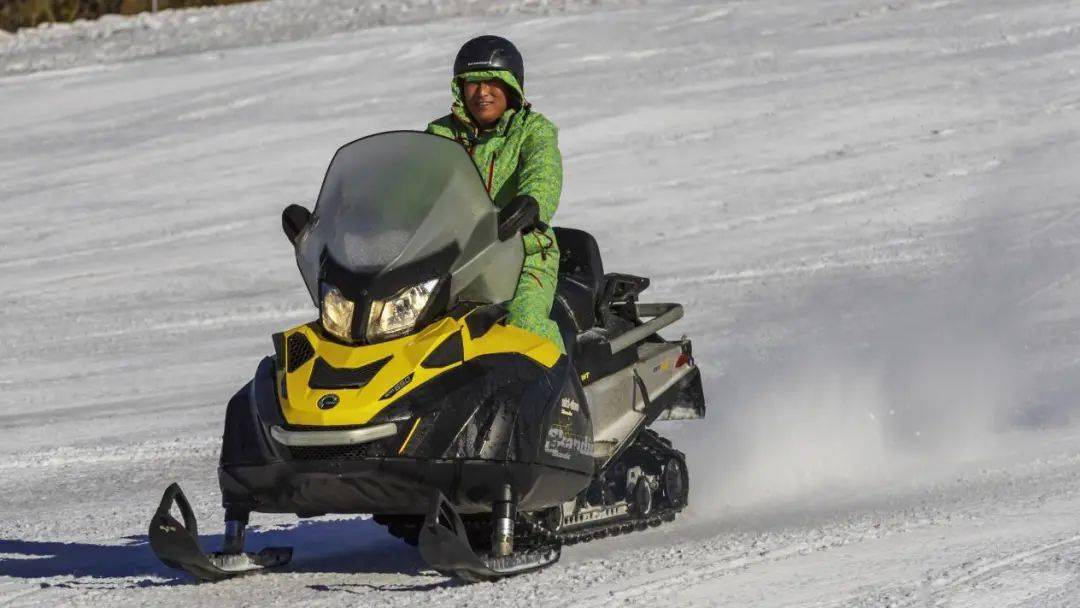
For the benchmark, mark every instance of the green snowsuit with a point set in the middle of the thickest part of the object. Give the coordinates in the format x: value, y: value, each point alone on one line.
x: 519, y: 155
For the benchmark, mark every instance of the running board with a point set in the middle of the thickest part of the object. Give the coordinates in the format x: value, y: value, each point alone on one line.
x: 176, y: 544
x: 445, y: 547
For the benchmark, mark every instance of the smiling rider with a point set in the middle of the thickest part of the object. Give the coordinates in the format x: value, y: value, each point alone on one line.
x: 516, y: 150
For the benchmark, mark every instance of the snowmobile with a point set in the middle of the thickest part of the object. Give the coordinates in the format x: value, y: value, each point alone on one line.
x: 411, y: 398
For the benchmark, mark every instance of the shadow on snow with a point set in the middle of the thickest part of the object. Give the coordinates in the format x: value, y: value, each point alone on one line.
x: 343, y: 546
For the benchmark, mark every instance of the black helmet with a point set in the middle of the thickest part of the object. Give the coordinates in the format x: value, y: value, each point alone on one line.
x: 490, y: 53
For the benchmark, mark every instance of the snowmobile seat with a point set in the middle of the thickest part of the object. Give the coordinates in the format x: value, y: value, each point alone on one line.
x: 583, y: 293
x: 581, y: 276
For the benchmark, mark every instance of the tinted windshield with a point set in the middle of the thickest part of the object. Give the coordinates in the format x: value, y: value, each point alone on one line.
x: 392, y: 199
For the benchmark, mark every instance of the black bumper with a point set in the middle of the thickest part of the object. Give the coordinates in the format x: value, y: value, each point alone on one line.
x: 389, y: 485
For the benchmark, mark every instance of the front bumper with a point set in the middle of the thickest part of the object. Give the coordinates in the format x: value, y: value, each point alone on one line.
x: 389, y: 485
x: 358, y: 436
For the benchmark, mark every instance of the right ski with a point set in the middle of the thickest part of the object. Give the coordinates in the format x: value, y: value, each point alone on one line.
x: 176, y: 544
x: 444, y: 545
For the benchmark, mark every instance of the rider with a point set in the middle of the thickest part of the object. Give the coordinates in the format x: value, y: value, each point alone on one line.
x: 517, y: 152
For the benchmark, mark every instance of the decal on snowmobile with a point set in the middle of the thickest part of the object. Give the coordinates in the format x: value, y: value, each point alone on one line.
x: 569, y: 407
x: 397, y: 387
x: 563, y: 444
x: 327, y: 402
x: 595, y: 514
x: 402, y: 372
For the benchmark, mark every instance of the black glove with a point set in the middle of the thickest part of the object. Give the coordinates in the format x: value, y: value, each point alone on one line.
x: 521, y: 214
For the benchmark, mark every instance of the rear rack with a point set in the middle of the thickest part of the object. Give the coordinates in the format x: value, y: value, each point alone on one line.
x: 661, y: 315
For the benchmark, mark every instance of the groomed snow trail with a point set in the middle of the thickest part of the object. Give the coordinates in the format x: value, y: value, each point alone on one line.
x: 870, y: 210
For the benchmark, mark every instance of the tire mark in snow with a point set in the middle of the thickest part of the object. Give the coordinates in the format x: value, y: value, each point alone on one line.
x: 940, y: 247
x: 805, y: 269
x: 671, y: 580
x: 706, y: 17
x: 242, y: 319
x: 689, y: 579
x: 1013, y: 40
x: 67, y: 456
x: 926, y: 595
x: 1053, y: 223
x: 16, y: 598
x: 166, y: 239
x: 826, y: 203
x: 680, y: 577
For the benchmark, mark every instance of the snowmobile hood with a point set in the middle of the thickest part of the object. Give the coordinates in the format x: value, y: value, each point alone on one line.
x: 461, y: 113
x: 363, y: 381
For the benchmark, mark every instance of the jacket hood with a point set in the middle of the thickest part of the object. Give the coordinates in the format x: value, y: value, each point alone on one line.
x: 461, y: 113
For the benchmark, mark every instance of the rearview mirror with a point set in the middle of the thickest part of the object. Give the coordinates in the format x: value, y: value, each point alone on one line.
x: 519, y: 214
x: 293, y: 221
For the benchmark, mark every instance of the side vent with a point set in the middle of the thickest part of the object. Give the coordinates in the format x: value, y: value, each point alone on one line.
x: 298, y: 352
x: 451, y: 351
x: 326, y: 376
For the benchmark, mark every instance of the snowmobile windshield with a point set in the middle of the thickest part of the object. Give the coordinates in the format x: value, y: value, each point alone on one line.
x: 399, y: 209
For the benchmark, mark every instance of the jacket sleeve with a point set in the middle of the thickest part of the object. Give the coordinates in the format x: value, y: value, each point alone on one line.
x: 541, y: 178
x: 441, y: 127
x: 541, y: 167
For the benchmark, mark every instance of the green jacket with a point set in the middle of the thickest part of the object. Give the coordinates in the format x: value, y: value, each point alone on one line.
x: 520, y: 155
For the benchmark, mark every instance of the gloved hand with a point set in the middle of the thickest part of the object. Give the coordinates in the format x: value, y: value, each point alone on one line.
x: 533, y: 233
x: 521, y: 214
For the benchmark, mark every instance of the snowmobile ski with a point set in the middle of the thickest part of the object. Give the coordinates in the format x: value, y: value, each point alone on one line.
x: 176, y: 544
x: 444, y: 544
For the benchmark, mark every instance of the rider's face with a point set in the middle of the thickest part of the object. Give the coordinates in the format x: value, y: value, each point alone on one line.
x: 486, y: 100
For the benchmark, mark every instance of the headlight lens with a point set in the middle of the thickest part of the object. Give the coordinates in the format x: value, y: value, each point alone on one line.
x: 399, y: 314
x: 337, y: 313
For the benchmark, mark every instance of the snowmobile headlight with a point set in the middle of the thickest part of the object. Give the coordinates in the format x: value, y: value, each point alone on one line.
x: 337, y: 313
x: 398, y: 315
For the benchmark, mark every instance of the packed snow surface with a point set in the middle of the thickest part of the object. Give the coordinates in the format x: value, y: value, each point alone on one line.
x: 871, y: 211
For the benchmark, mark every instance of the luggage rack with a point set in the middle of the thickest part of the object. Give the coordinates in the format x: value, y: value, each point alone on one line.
x: 659, y: 315
x: 619, y: 298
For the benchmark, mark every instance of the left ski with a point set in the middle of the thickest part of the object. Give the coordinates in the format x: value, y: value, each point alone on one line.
x: 177, y: 545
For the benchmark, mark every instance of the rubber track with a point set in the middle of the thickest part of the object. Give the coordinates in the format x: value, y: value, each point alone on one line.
x: 661, y: 449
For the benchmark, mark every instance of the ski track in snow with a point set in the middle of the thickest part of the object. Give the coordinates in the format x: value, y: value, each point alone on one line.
x: 869, y: 210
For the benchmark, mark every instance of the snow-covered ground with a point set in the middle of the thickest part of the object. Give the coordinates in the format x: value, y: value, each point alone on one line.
x: 114, y: 38
x: 871, y: 211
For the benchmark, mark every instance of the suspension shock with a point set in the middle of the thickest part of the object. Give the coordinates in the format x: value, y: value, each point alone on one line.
x: 503, y: 512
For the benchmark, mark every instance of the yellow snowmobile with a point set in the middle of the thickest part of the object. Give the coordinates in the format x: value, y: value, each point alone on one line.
x: 410, y: 398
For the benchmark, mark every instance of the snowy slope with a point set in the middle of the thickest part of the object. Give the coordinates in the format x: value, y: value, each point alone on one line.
x: 114, y: 38
x: 870, y: 210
